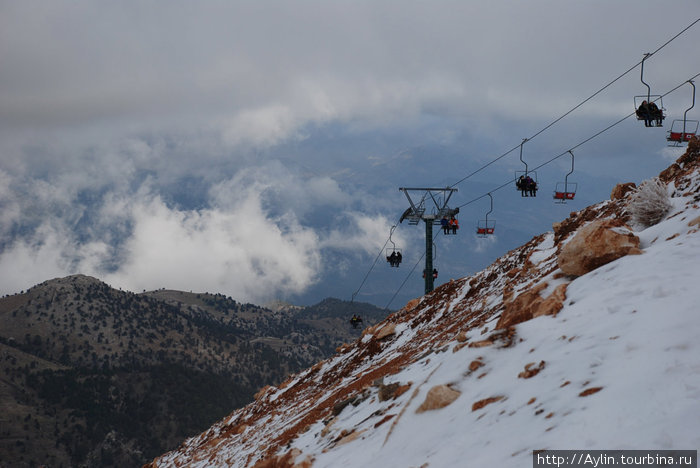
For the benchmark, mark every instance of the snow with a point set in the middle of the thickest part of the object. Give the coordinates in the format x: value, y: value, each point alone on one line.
x: 630, y: 327
x: 628, y: 330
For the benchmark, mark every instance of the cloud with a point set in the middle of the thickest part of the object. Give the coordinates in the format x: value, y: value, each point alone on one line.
x: 49, y: 253
x: 134, y: 126
x: 241, y: 252
x: 250, y: 241
x: 356, y: 231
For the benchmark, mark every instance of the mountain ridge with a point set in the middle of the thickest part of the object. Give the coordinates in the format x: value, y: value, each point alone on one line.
x: 96, y: 376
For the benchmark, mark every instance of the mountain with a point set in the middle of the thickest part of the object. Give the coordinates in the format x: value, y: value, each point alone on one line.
x: 94, y: 376
x: 583, y: 338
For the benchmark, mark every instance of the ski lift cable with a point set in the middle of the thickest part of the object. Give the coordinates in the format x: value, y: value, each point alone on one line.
x: 381, y: 251
x: 580, y: 104
x: 530, y: 138
x: 386, y: 307
x: 597, y: 134
x: 510, y: 182
x: 408, y: 275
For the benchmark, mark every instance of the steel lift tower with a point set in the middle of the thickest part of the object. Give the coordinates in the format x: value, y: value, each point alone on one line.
x: 421, y: 209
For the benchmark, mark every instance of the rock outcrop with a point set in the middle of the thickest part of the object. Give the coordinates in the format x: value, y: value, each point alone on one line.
x: 531, y: 304
x: 596, y: 244
x: 438, y: 397
x: 621, y: 190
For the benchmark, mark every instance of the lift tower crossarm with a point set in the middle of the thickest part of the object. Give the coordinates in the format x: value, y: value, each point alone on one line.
x: 417, y: 211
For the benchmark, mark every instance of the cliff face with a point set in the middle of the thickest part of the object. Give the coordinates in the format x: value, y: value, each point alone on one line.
x: 519, y: 357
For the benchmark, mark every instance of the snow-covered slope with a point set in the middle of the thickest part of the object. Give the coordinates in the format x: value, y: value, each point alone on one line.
x: 618, y: 367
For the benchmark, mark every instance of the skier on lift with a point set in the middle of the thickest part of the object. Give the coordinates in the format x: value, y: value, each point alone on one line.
x: 355, y: 320
x: 644, y: 113
x: 454, y: 224
x: 656, y: 114
x: 521, y: 185
x: 445, y: 225
x: 531, y: 186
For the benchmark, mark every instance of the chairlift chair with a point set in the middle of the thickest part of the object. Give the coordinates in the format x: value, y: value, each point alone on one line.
x: 566, y: 190
x: 683, y: 130
x: 654, y: 120
x: 524, y: 175
x: 396, y: 255
x: 393, y: 254
x: 485, y: 227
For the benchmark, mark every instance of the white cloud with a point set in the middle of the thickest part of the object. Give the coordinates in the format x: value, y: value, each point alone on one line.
x: 49, y: 253
x: 249, y: 243
x: 123, y: 102
x: 241, y: 252
x: 362, y: 233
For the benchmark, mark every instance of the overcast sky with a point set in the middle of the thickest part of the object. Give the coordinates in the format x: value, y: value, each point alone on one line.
x: 256, y: 148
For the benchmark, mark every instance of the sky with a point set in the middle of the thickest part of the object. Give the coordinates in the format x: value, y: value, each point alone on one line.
x: 256, y: 149
x: 617, y: 368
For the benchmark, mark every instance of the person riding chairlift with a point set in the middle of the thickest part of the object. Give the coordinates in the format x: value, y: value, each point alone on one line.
x: 643, y: 113
x: 520, y: 185
x: 454, y: 224
x: 355, y: 320
x: 531, y: 186
x: 435, y: 273
x: 445, y: 225
x: 650, y: 113
x: 656, y: 114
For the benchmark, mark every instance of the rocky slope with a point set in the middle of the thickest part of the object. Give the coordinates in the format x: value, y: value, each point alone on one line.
x: 94, y: 376
x: 585, y: 337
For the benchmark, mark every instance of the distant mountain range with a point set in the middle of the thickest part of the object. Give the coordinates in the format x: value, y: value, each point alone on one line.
x: 94, y: 376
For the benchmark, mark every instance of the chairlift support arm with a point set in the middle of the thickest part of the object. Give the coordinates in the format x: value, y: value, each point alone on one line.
x: 521, y: 154
x: 418, y: 209
x: 566, y: 177
x: 646, y: 56
x: 489, y: 212
x: 391, y: 232
x: 685, y: 115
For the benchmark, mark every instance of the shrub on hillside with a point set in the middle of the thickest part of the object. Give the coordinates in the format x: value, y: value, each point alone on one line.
x: 649, y: 203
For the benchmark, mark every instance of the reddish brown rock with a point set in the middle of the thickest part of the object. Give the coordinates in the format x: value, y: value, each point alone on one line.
x: 590, y: 391
x: 621, y: 190
x: 285, y: 461
x: 531, y: 371
x: 475, y: 364
x: 486, y: 401
x: 597, y: 244
x: 531, y: 304
x: 260, y: 393
x: 386, y: 330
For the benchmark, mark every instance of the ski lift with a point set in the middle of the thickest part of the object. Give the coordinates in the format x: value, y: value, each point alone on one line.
x: 649, y: 107
x: 393, y: 254
x: 451, y: 225
x: 566, y: 190
x: 485, y: 228
x: 355, y: 321
x: 525, y: 181
x: 683, y: 130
